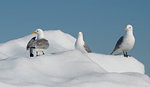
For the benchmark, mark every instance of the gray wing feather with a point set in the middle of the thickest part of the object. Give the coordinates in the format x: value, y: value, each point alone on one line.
x: 87, y: 48
x: 42, y: 44
x: 119, y: 42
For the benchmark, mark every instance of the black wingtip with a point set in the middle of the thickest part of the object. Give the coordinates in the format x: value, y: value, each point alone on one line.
x: 34, y: 38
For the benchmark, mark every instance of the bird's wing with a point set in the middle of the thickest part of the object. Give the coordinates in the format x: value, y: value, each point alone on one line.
x: 42, y: 44
x: 31, y: 43
x: 119, y: 42
x: 87, y: 48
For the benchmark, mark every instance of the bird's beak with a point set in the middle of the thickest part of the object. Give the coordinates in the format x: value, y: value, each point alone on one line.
x: 126, y: 28
x: 33, y: 32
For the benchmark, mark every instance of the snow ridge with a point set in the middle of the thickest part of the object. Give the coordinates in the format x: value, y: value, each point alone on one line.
x: 63, y: 66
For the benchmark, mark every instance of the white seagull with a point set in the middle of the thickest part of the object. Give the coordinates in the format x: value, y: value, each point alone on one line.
x: 39, y: 45
x: 125, y: 43
x: 80, y: 44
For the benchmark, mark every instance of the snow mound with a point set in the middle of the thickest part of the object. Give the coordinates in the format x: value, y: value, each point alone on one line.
x: 58, y: 41
x: 63, y: 66
x: 117, y: 63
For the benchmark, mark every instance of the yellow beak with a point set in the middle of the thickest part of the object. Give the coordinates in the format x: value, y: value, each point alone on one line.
x: 33, y: 32
x: 126, y: 28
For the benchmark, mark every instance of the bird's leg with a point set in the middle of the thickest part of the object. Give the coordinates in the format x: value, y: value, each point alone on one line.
x: 31, y: 55
x: 126, y: 54
x: 43, y: 53
x: 31, y: 52
x: 37, y: 53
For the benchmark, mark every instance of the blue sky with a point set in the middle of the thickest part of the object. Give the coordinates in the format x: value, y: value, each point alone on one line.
x: 101, y: 21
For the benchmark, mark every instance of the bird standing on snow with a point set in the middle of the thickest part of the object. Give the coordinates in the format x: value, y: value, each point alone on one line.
x: 80, y: 44
x: 125, y: 43
x: 40, y: 44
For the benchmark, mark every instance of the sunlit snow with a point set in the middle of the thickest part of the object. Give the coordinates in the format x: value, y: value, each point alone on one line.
x: 63, y: 66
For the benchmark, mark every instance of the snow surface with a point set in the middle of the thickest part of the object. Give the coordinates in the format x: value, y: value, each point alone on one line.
x: 63, y: 66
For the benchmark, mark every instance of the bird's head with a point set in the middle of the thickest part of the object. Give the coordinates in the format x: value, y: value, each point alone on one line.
x: 39, y: 32
x: 129, y: 27
x: 80, y: 34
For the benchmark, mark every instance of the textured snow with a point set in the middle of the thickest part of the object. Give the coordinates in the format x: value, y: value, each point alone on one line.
x: 63, y: 66
x: 117, y: 63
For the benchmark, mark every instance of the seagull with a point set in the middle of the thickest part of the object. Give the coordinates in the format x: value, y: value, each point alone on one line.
x: 39, y: 45
x: 81, y: 45
x: 125, y: 43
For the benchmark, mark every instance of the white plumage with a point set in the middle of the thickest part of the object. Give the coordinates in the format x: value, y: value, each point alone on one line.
x: 125, y: 43
x: 80, y: 44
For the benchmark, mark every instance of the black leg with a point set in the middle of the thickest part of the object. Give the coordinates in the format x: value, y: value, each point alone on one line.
x: 43, y: 53
x: 31, y: 55
x: 37, y: 53
x: 31, y: 52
